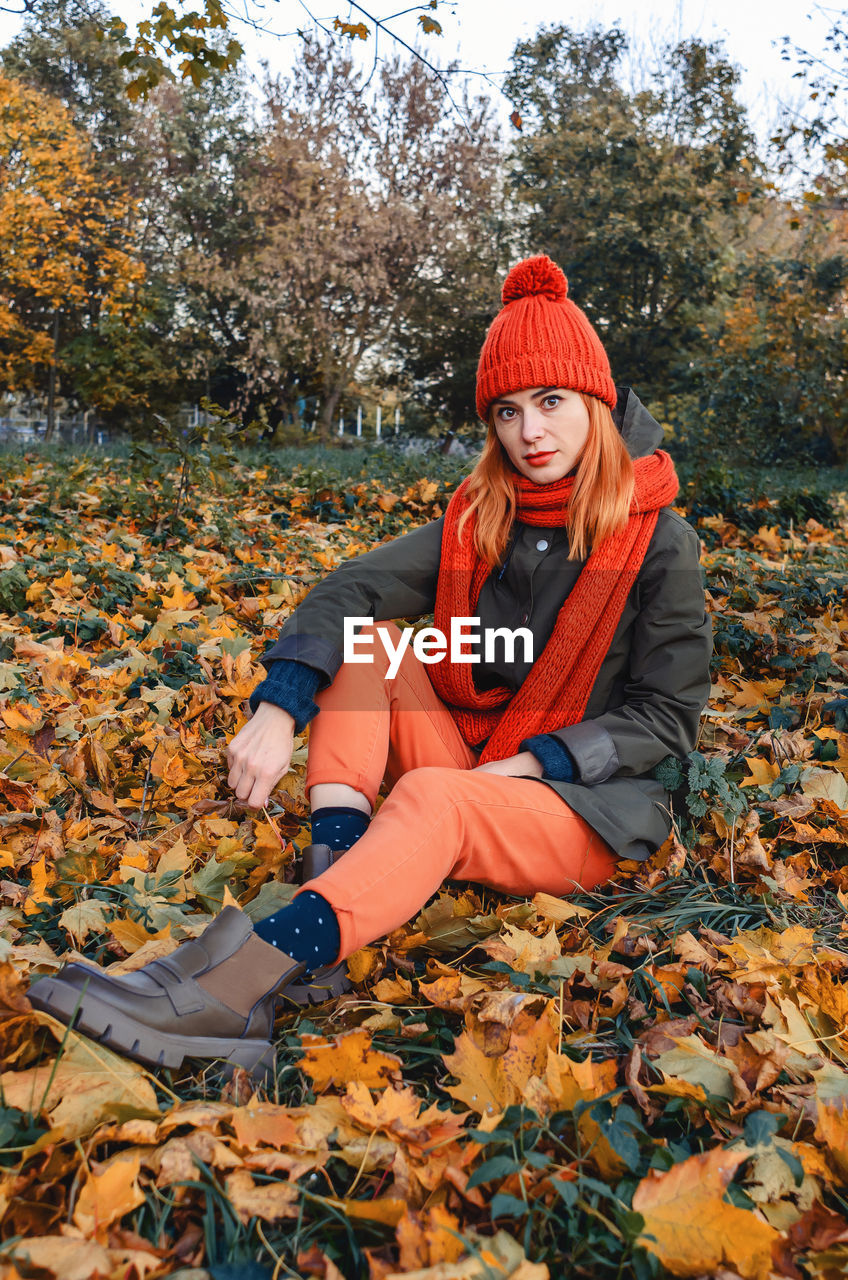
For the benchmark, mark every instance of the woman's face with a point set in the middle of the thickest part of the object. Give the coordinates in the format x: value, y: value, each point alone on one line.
x: 550, y: 424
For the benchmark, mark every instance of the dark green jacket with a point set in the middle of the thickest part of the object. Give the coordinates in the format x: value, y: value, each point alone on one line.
x: 653, y: 684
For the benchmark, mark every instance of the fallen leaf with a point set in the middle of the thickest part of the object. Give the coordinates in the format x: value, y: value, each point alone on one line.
x: 87, y: 1085
x: 347, y: 1057
x: 269, y: 1201
x: 692, y: 1229
x: 107, y: 1194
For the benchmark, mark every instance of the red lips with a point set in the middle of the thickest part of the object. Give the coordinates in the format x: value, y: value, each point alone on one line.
x: 538, y: 459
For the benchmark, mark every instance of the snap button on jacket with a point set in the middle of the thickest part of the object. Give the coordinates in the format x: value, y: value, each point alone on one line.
x: 652, y: 686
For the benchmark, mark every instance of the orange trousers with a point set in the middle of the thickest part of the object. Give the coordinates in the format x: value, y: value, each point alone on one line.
x: 442, y: 818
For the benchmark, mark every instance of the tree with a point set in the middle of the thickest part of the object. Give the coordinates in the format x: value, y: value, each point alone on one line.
x: 200, y: 146
x: 439, y: 341
x: 69, y: 55
x: 123, y: 364
x: 771, y: 382
x: 67, y: 257
x: 357, y: 201
x: 637, y: 194
x: 201, y: 37
x: 815, y: 142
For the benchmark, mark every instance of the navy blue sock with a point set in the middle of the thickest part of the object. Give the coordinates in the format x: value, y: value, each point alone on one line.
x: 306, y: 929
x: 338, y: 826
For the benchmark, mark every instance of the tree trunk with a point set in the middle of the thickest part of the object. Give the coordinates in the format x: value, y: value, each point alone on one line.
x: 445, y: 446
x: 51, y: 385
x: 324, y: 427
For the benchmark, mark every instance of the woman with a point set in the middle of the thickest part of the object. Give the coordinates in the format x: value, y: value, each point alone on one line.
x: 563, y: 534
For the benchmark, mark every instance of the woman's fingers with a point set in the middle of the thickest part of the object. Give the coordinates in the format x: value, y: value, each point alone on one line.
x: 260, y: 754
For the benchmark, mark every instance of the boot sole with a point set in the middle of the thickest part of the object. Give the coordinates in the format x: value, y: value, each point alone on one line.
x: 108, y: 1026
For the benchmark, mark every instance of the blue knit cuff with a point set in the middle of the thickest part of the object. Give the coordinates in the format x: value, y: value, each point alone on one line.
x: 290, y: 685
x: 555, y: 758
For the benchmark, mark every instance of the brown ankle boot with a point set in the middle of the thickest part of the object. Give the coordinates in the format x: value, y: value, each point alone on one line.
x: 330, y: 980
x: 211, y: 998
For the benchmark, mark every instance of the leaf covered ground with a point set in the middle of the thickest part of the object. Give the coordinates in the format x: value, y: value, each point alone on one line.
x: 650, y: 1080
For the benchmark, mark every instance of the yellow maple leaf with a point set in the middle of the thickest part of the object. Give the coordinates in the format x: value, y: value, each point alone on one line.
x: 38, y: 896
x: 690, y: 1226
x: 109, y: 1191
x: 761, y: 773
x: 347, y: 1057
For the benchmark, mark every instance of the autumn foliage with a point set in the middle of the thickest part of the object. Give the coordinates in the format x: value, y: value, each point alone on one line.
x: 648, y: 1080
x: 66, y: 245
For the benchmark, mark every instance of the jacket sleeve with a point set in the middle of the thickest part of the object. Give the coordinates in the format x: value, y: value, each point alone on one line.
x: 292, y: 686
x: 395, y: 580
x: 554, y: 757
x: 668, y: 683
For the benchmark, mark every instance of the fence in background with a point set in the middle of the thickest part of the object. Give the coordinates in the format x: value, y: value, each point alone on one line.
x: 74, y: 427
x: 26, y: 427
x: 377, y: 424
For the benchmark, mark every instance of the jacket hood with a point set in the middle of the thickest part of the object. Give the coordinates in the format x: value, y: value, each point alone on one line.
x: 641, y: 432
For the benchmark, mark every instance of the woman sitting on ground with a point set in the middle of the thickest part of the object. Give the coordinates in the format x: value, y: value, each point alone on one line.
x: 529, y: 769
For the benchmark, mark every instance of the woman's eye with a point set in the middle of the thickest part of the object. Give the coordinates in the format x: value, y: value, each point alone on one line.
x: 552, y: 401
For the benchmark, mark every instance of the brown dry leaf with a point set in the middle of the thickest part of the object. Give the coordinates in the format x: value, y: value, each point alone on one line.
x: 690, y: 950
x: 264, y: 1124
x: 397, y: 1112
x: 110, y: 1191
x: 347, y: 1057
x: 570, y: 1082
x: 558, y: 909
x: 160, y: 944
x: 176, y: 1160
x: 523, y: 951
x: 66, y: 1259
x: 37, y: 896
x: 498, y: 1255
x: 817, y: 987
x: 761, y: 772
x: 763, y: 955
x: 132, y: 936
x: 490, y: 1015
x: 13, y: 998
x: 20, y: 715
x: 386, y: 1209
x: 692, y: 1229
x: 362, y: 963
x: 84, y: 918
x: 700, y: 1069
x: 489, y: 1084
x: 432, y: 1236
x: 269, y: 1200
x: 89, y: 1086
x: 397, y: 990
x: 452, y: 990
x: 314, y: 1262
x: 832, y: 1132
x: 749, y: 850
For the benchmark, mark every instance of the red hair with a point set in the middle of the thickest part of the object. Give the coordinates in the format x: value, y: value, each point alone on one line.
x: 600, y: 500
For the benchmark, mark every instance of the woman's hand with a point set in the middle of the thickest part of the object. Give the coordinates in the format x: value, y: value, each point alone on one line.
x: 260, y: 754
x: 514, y: 766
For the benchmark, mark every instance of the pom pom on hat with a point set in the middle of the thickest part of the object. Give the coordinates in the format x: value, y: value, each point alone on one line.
x: 534, y: 277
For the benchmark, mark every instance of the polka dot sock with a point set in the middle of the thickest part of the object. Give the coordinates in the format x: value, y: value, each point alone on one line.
x: 306, y: 929
x: 337, y: 826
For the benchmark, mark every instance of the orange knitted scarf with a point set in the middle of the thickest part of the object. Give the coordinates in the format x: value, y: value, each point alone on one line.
x: 557, y: 688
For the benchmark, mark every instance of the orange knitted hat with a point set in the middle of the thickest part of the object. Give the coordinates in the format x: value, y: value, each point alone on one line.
x: 541, y: 339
